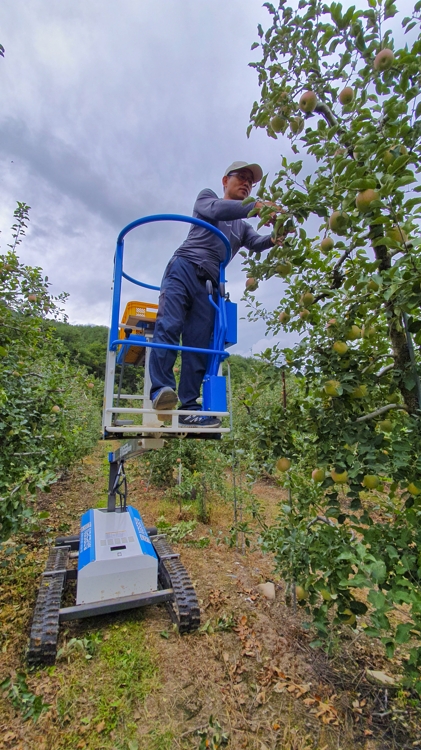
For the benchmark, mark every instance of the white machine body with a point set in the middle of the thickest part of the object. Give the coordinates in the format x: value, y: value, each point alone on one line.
x: 116, y: 556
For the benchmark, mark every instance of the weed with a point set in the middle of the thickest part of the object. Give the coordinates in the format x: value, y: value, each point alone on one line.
x: 222, y: 623
x: 225, y: 622
x: 201, y: 543
x: 177, y: 532
x: 213, y: 737
x: 22, y: 699
x: 86, y: 646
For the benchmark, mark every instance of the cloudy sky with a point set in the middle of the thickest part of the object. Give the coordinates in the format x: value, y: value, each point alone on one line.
x: 112, y: 111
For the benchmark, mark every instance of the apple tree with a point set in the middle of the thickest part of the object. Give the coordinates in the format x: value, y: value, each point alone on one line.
x: 344, y: 86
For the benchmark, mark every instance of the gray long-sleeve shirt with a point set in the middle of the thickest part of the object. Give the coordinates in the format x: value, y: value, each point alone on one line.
x: 206, y: 249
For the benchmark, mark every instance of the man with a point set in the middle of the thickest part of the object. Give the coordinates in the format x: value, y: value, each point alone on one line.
x: 184, y: 307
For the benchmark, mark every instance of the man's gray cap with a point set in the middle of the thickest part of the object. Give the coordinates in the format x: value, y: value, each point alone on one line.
x: 255, y: 169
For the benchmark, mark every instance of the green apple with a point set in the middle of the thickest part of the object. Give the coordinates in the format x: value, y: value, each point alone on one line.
x: 360, y: 391
x: 386, y: 425
x: 307, y: 299
x: 308, y: 102
x: 383, y: 60
x: 284, y: 268
x: 340, y: 348
x: 339, y: 222
x: 283, y: 464
x: 278, y: 124
x: 365, y: 198
x: 339, y: 477
x: 331, y: 388
x: 301, y: 593
x: 413, y: 489
x: 346, y: 96
x: 354, y: 333
x: 326, y: 245
x: 370, y: 481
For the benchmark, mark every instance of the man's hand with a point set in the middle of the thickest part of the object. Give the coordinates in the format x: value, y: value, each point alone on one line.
x: 261, y: 204
x: 263, y: 207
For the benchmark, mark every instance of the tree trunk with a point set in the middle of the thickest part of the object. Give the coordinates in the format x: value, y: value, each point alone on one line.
x: 401, y: 355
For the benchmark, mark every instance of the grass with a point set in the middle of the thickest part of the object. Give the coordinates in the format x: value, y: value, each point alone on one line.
x: 156, y: 739
x: 120, y: 675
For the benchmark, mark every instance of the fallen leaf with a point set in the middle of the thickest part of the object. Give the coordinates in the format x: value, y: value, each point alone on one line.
x: 100, y: 727
x: 309, y: 701
x: 280, y: 687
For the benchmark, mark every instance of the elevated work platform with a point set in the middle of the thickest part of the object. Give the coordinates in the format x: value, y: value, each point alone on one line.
x: 130, y: 344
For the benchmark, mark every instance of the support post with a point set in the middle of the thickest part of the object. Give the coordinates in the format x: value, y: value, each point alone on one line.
x: 111, y: 484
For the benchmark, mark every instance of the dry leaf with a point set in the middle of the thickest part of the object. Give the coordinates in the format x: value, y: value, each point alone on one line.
x: 309, y: 701
x: 280, y: 687
x: 100, y: 727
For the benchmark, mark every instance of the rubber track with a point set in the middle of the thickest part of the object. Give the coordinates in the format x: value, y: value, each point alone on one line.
x: 45, y: 623
x: 184, y: 609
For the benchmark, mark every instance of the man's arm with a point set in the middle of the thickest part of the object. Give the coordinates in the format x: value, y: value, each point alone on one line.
x: 212, y: 208
x: 254, y: 241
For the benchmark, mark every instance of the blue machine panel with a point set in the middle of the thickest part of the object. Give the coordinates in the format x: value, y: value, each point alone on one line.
x: 141, y: 533
x: 87, y: 539
x: 231, y: 335
x: 214, y: 393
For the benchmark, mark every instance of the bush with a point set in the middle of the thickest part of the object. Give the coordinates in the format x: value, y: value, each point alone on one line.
x: 48, y: 416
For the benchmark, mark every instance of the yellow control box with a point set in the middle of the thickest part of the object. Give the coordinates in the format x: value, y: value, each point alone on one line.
x: 140, y: 317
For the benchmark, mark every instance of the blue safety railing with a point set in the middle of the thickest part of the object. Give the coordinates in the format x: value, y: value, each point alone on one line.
x: 220, y: 327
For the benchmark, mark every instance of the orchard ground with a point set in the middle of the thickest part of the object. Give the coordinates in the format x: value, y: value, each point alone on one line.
x: 129, y: 682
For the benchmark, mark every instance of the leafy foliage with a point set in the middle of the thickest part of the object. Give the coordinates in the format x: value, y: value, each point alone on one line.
x: 48, y: 419
x: 346, y: 214
x: 85, y: 344
x: 22, y: 698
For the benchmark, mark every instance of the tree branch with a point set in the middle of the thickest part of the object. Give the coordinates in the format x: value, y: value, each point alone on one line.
x: 384, y: 370
x: 380, y: 411
x: 326, y: 112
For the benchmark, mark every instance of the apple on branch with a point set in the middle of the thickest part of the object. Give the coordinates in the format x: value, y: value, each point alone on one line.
x: 251, y: 284
x: 283, y: 464
x: 346, y: 96
x: 383, y: 60
x: 308, y: 102
x: 326, y: 245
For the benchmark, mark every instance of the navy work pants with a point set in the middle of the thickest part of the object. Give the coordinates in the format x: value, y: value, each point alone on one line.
x: 184, y: 310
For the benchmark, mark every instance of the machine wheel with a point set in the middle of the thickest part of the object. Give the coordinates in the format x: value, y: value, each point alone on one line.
x: 184, y: 608
x: 45, y: 623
